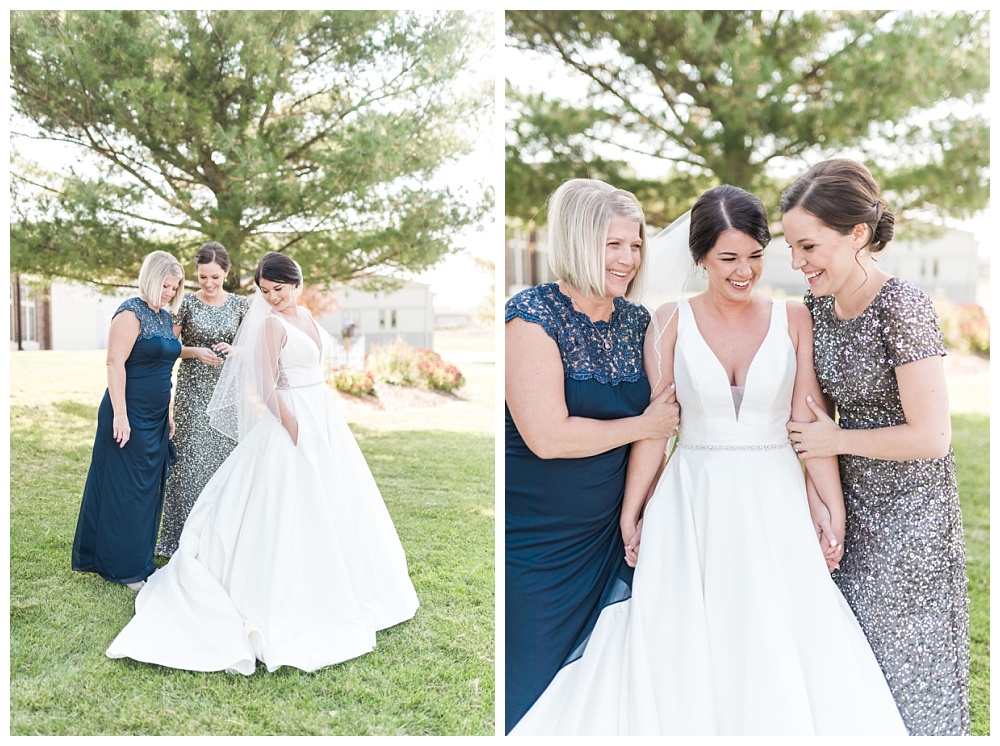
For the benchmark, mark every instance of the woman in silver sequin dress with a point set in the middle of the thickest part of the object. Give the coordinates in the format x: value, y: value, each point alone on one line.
x: 879, y: 358
x: 206, y: 324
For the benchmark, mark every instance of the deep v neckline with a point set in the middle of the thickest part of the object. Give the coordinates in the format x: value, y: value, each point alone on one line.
x: 319, y: 345
x: 756, y: 354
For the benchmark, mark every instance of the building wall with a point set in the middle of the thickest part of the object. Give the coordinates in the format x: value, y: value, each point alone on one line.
x: 406, y: 313
x: 30, y: 314
x: 81, y: 316
x: 526, y: 260
x: 77, y: 317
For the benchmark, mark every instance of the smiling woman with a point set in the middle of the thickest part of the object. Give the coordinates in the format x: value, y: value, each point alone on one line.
x: 879, y: 355
x: 576, y: 397
x: 206, y: 324
x: 123, y: 496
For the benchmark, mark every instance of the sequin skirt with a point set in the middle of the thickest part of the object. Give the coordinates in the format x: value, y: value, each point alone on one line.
x: 903, y: 574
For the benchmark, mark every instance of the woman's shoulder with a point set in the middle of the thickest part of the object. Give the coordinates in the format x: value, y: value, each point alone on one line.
x: 540, y: 304
x: 137, y: 306
x: 816, y: 303
x: 185, y: 309
x: 900, y: 293
x: 633, y: 312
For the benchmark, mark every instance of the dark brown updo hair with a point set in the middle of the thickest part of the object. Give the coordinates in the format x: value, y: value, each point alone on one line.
x: 213, y: 252
x: 726, y: 208
x: 276, y: 267
x: 843, y: 194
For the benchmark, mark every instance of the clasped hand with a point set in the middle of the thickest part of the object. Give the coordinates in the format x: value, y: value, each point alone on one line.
x: 632, y: 535
x: 664, y: 413
x: 815, y: 439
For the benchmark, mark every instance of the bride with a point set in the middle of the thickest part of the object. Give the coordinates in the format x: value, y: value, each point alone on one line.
x: 289, y: 556
x: 734, y: 626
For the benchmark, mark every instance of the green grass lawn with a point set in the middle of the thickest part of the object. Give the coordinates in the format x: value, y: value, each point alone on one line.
x: 971, y: 442
x: 431, y: 675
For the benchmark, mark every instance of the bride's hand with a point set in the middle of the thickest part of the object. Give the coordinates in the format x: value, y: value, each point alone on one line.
x: 292, y: 426
x: 833, y: 550
x: 632, y: 536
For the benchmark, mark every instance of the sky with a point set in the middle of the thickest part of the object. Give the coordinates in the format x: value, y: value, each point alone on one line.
x: 457, y: 282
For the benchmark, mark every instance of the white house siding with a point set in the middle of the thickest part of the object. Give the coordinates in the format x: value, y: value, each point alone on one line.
x: 406, y: 313
x: 81, y: 316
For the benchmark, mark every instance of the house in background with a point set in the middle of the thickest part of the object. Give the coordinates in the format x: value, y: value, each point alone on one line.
x: 405, y: 313
x: 60, y: 315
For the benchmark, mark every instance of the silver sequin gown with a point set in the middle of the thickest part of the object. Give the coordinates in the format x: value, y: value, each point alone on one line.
x: 200, y: 448
x: 903, y: 571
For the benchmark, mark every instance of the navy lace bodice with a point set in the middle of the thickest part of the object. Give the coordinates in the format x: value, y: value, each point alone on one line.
x: 607, y: 351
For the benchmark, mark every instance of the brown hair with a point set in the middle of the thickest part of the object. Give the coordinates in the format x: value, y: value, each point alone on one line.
x: 276, y: 267
x: 843, y: 194
x: 213, y: 252
x: 726, y: 208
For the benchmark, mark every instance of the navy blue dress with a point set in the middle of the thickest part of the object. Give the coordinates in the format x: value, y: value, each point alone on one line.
x: 564, y: 551
x: 123, y: 497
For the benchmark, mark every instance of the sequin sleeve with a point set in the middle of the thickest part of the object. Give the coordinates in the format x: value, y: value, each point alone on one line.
x: 910, y: 325
x: 242, y: 306
x: 183, y: 314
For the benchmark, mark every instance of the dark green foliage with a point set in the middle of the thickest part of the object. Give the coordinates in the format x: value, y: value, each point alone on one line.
x: 316, y: 133
x: 752, y: 98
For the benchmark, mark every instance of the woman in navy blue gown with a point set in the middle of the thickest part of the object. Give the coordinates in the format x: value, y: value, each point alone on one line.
x: 576, y: 397
x: 123, y: 497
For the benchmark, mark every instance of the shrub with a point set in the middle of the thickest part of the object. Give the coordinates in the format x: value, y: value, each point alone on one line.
x: 965, y: 326
x: 437, y: 374
x: 354, y: 382
x: 394, y: 362
x: 974, y: 325
x: 399, y: 364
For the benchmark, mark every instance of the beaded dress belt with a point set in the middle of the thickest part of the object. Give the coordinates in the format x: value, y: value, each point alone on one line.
x: 285, y: 387
x: 747, y: 447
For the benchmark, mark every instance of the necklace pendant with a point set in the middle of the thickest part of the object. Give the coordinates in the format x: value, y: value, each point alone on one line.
x: 607, y: 345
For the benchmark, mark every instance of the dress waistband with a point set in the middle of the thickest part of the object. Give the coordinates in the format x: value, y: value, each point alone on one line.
x: 736, y: 446
x: 285, y: 386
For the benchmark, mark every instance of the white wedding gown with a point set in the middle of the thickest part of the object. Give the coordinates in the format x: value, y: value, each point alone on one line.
x: 288, y: 557
x: 734, y: 626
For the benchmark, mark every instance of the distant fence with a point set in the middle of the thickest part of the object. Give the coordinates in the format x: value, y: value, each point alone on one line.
x: 347, y: 353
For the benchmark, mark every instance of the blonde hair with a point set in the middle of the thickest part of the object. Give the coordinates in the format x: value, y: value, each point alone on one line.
x: 156, y: 268
x: 580, y: 213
